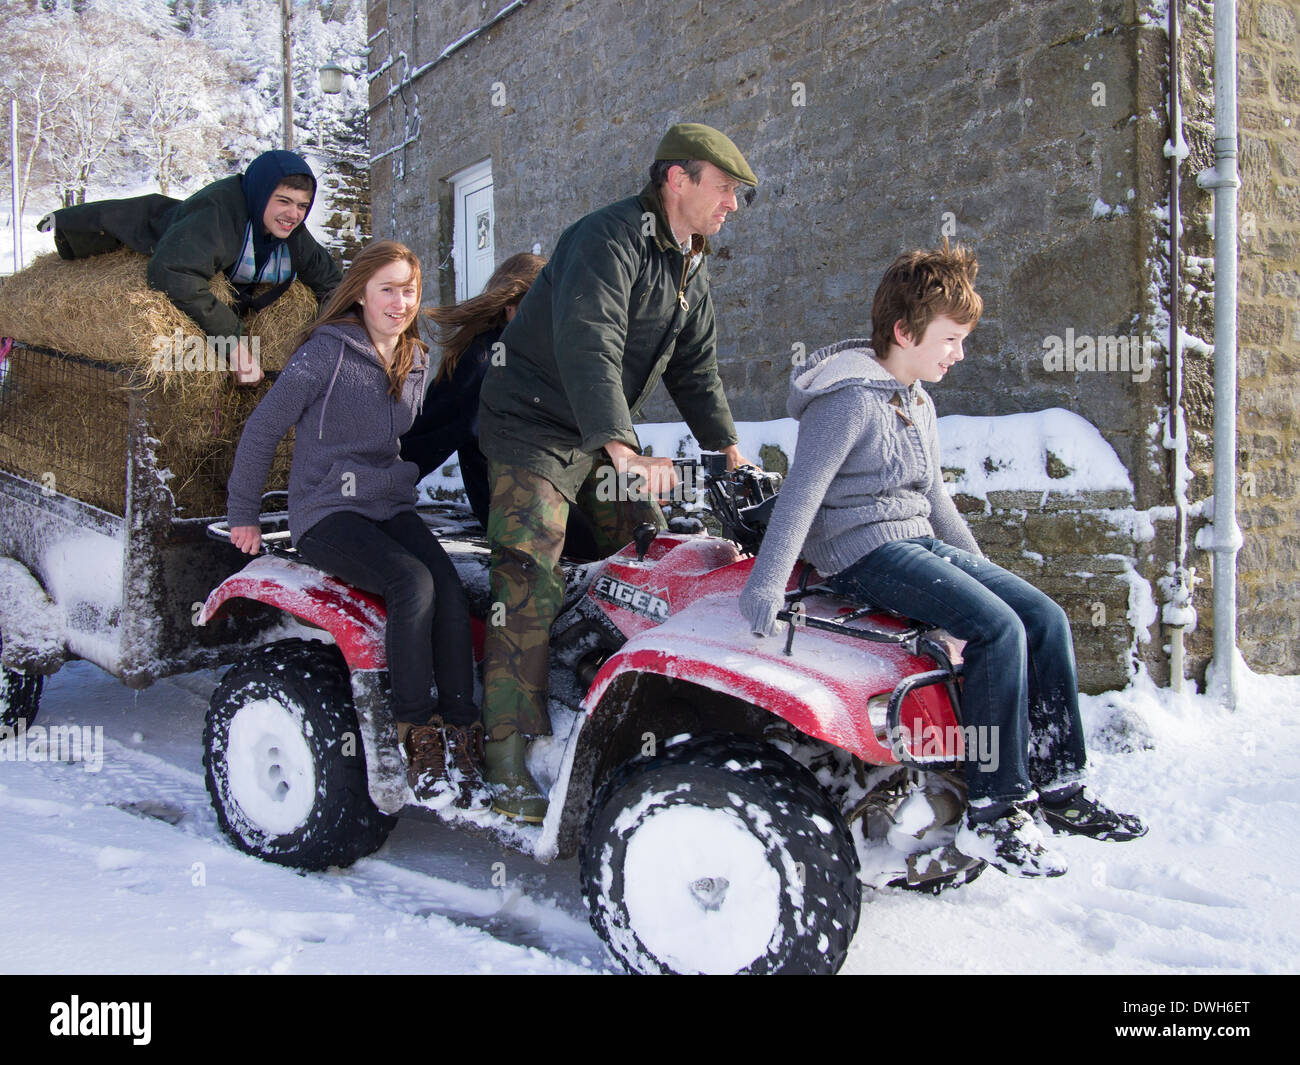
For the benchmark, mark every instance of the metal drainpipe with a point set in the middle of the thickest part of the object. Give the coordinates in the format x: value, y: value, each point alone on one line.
x: 1179, y: 595
x: 1222, y: 178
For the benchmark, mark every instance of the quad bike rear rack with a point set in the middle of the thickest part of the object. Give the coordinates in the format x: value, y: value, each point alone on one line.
x: 915, y: 637
x: 274, y: 522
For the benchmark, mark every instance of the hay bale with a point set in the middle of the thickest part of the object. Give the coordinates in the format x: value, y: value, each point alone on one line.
x: 99, y: 307
x: 64, y: 425
x: 199, y: 448
x: 279, y: 324
x: 102, y: 308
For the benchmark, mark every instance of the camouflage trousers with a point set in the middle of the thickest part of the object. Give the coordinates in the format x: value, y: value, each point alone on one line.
x: 526, y: 524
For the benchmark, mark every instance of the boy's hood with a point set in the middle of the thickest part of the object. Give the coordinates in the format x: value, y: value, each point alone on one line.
x: 263, y: 177
x: 839, y: 365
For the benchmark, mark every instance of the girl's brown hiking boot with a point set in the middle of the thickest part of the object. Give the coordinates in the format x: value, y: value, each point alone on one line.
x: 464, y: 766
x: 426, y: 758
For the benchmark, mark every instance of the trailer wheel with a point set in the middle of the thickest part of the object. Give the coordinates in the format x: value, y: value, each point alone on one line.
x: 285, y: 767
x: 20, y: 696
x: 722, y: 855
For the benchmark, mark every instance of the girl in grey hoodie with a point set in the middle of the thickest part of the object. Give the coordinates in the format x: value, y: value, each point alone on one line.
x: 865, y: 504
x: 349, y: 392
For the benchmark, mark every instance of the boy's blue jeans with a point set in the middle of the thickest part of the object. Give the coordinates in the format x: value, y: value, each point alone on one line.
x: 1019, y: 675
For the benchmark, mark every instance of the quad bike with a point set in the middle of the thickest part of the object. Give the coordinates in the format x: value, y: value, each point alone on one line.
x: 729, y: 795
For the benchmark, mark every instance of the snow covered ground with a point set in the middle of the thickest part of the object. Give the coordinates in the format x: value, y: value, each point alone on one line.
x: 97, y: 878
x: 1211, y: 889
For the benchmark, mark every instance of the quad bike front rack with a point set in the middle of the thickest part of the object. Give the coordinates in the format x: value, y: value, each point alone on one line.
x: 914, y: 637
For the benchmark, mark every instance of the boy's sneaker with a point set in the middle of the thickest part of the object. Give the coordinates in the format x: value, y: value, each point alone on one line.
x: 1083, y: 815
x: 1011, y: 844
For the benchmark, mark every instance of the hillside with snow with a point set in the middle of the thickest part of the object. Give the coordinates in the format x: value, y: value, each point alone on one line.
x: 126, y: 97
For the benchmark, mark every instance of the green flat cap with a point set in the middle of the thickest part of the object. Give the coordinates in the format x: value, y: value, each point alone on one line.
x: 694, y: 140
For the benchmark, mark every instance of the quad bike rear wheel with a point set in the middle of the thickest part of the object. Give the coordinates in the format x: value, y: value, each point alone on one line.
x: 721, y: 855
x: 20, y: 696
x: 285, y: 767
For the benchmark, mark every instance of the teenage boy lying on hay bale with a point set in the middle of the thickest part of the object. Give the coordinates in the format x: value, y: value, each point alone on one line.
x: 103, y: 309
x: 248, y: 227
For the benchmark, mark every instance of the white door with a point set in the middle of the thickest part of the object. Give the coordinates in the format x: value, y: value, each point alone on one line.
x: 472, y: 239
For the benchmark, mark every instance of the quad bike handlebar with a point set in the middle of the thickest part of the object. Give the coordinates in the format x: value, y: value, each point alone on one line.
x: 741, y: 499
x: 274, y: 519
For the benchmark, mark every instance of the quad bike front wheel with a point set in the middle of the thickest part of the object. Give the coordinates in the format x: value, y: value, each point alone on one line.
x: 285, y: 767
x: 722, y: 855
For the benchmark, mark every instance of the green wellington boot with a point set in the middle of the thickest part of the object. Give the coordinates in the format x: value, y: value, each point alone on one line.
x: 514, y: 791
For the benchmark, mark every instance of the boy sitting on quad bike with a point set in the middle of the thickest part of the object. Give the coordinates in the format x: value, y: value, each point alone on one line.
x: 865, y: 503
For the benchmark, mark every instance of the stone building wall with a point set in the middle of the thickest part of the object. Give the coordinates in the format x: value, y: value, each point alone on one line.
x: 874, y: 127
x: 1268, y: 418
x: 348, y: 226
x: 1031, y: 129
x: 1079, y: 548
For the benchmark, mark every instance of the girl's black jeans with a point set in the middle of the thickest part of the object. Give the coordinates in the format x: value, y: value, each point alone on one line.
x: 428, y: 631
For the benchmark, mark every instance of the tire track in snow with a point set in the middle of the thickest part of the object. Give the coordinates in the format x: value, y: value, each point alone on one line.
x: 144, y: 785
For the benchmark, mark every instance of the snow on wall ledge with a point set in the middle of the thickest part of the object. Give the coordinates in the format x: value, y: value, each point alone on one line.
x: 1052, y: 450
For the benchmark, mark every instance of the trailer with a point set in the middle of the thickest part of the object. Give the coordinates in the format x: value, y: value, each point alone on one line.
x: 97, y: 561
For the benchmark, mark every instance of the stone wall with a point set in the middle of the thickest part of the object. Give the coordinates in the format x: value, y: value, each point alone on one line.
x: 874, y: 127
x: 348, y: 226
x: 1268, y: 419
x: 1079, y: 548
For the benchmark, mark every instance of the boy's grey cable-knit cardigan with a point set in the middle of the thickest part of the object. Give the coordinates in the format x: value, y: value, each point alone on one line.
x: 865, y: 472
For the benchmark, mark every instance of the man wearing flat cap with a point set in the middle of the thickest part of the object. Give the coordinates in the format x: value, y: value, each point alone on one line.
x: 622, y: 304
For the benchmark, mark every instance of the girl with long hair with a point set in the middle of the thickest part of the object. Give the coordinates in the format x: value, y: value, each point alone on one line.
x: 449, y: 420
x: 351, y: 389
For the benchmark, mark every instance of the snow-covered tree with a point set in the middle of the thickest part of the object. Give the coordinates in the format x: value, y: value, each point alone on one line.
x: 117, y: 93
x: 185, y: 98
x: 33, y: 77
x: 85, y: 133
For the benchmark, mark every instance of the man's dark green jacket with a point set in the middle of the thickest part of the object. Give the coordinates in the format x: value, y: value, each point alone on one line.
x: 598, y: 329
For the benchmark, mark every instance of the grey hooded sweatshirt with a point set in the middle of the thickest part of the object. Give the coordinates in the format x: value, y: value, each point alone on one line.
x: 865, y: 472
x: 346, y: 452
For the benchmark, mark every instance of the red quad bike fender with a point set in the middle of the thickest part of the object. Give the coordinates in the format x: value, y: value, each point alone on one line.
x: 822, y: 688
x: 356, y: 621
